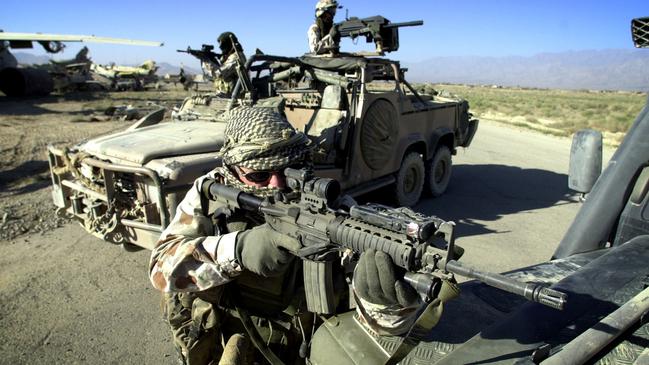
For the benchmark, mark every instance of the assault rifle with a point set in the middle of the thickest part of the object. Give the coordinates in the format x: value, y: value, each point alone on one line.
x: 205, y: 54
x: 424, y: 246
x: 377, y: 29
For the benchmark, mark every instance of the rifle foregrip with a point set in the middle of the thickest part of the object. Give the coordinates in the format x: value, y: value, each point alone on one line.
x: 361, y: 241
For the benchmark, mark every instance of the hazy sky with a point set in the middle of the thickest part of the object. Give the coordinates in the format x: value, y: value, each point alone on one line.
x: 451, y: 28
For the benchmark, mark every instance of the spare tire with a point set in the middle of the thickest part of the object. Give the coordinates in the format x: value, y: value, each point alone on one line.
x: 379, y: 134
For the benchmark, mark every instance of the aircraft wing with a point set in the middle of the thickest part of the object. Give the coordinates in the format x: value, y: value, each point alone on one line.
x: 41, y: 37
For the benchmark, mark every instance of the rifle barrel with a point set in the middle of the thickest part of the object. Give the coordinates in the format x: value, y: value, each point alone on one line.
x: 536, y: 293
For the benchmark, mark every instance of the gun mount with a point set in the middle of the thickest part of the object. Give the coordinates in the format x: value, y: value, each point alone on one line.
x: 377, y: 29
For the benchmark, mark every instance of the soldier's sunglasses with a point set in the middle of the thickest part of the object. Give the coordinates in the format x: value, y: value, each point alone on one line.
x: 256, y: 176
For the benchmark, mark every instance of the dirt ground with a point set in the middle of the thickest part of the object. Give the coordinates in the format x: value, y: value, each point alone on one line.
x: 50, y: 315
x: 66, y: 297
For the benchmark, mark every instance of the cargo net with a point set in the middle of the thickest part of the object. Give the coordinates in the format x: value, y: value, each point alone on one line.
x: 640, y: 32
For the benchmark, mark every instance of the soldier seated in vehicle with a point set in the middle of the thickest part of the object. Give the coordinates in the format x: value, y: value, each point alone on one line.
x: 226, y: 76
x: 323, y: 36
x: 214, y: 265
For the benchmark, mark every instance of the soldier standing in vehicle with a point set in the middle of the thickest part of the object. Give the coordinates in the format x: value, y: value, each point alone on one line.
x: 210, y: 262
x: 323, y: 36
x: 232, y: 57
x: 6, y: 58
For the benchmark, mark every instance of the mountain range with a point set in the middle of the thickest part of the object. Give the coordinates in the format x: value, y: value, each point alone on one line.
x: 612, y: 69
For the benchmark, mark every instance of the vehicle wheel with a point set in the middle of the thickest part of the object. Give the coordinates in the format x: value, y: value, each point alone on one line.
x: 438, y: 171
x: 410, y: 180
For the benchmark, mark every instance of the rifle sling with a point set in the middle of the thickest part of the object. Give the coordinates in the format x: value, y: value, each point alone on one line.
x: 255, y: 337
x: 428, y: 319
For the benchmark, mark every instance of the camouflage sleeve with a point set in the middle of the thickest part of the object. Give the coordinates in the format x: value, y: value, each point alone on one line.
x: 391, y: 320
x: 318, y: 43
x: 188, y: 257
x: 228, y: 69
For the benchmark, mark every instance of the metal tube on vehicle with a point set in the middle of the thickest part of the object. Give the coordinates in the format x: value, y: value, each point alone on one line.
x: 141, y: 225
x: 594, y: 339
x: 331, y: 78
x: 283, y: 75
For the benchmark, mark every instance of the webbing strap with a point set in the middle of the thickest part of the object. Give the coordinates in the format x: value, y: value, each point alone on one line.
x: 256, y: 339
x: 428, y: 319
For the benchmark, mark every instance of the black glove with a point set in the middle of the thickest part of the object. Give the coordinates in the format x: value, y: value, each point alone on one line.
x: 334, y: 34
x: 375, y: 281
x: 265, y: 251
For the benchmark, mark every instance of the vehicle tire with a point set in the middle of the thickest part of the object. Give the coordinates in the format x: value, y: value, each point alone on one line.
x: 438, y: 171
x: 410, y: 180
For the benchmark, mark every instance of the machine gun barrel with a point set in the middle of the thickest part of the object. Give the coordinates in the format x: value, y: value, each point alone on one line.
x: 534, y: 292
x: 414, y: 23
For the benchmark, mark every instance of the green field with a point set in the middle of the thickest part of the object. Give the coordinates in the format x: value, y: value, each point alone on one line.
x: 559, y: 112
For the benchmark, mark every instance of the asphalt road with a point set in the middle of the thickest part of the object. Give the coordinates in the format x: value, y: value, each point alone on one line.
x: 66, y: 297
x: 509, y: 197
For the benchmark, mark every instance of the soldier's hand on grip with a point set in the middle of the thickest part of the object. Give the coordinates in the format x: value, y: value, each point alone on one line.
x: 265, y: 251
x: 375, y: 280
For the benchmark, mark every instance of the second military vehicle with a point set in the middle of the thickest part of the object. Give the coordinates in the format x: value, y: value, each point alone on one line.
x: 600, y: 265
x: 370, y: 130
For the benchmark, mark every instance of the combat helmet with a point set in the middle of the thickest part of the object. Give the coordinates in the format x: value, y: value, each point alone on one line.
x: 325, y: 5
x: 226, y: 41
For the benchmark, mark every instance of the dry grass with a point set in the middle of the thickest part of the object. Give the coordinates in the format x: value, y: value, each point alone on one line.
x: 559, y: 112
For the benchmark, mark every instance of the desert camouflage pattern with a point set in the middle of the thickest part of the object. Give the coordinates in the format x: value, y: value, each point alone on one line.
x: 390, y: 320
x: 225, y: 77
x: 317, y: 43
x: 324, y: 5
x: 189, y: 257
x: 193, y: 260
x: 194, y: 325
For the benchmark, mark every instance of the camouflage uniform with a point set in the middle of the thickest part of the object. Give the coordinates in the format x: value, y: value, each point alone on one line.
x: 195, y: 256
x: 225, y: 77
x: 319, y: 42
